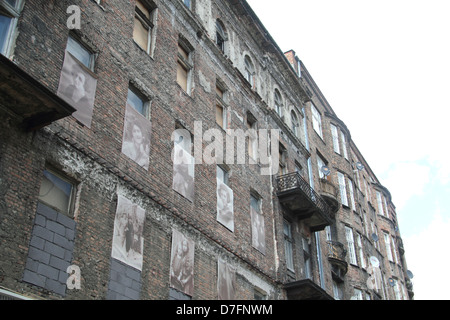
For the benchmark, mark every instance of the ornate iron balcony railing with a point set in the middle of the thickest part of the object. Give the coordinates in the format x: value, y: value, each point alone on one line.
x: 292, y: 181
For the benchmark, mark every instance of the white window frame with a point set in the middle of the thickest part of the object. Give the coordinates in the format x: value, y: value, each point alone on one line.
x: 352, y: 195
x: 342, y: 188
x: 320, y: 164
x: 344, y: 146
x: 14, y: 14
x: 351, y: 246
x: 380, y: 203
x: 316, y: 120
x: 359, y: 246
x: 335, y: 135
x: 387, y: 242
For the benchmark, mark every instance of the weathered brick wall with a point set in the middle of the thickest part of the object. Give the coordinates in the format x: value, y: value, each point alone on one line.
x: 93, y: 158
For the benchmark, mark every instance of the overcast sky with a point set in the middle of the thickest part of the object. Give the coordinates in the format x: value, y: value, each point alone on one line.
x: 384, y: 67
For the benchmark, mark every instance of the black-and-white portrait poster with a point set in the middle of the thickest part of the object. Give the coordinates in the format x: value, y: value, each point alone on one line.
x: 128, y: 240
x: 182, y: 263
x: 183, y: 173
x: 136, y: 137
x: 77, y: 86
x: 225, y: 205
x: 258, y: 233
x: 226, y: 281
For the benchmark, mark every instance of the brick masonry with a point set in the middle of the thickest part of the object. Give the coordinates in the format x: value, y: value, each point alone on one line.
x: 35, y: 243
x: 50, y: 251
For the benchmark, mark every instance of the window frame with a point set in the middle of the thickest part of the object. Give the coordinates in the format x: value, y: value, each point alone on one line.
x: 220, y: 103
x: 221, y: 35
x: 71, y: 198
x: 72, y: 39
x: 145, y: 101
x: 317, y: 120
x: 335, y: 136
x: 288, y: 245
x: 351, y: 246
x: 184, y: 61
x: 295, y: 123
x: 249, y: 68
x: 146, y: 22
x: 342, y: 188
x: 278, y: 102
x: 12, y: 12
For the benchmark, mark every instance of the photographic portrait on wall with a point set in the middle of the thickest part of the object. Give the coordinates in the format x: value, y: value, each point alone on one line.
x: 183, y: 173
x: 258, y: 233
x: 136, y: 137
x: 182, y: 263
x: 225, y: 205
x: 128, y: 241
x: 77, y: 87
x: 226, y: 281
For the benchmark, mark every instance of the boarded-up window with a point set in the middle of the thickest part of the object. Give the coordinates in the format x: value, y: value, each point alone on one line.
x: 143, y: 26
x: 183, y: 68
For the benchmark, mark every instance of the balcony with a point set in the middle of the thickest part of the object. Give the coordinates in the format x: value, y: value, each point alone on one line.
x: 25, y: 100
x: 297, y: 197
x: 336, y: 257
x: 329, y: 193
x: 305, y: 290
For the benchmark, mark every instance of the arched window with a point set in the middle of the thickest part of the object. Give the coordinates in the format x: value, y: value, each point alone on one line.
x: 278, y: 102
x: 295, y: 123
x: 249, y: 71
x: 221, y: 36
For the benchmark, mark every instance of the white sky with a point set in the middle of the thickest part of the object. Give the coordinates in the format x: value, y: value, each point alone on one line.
x: 384, y: 67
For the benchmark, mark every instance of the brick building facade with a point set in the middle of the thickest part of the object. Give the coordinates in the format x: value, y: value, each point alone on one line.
x: 83, y: 215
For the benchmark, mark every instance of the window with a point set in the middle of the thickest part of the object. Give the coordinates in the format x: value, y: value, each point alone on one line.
x: 342, y: 189
x: 184, y: 67
x: 282, y: 168
x: 56, y: 192
x: 249, y: 71
x: 350, y: 245
x: 252, y: 136
x: 394, y: 251
x: 387, y: 242
x: 317, y: 120
x: 307, y: 257
x: 344, y: 146
x: 143, y: 25
x: 295, y: 124
x: 222, y: 174
x: 9, y: 14
x: 138, y: 102
x: 320, y: 164
x: 221, y: 111
x: 258, y: 294
x: 334, y: 133
x: 360, y: 250
x: 278, y: 102
x: 337, y: 291
x: 80, y: 52
x: 352, y: 196
x: 358, y: 295
x: 221, y: 36
x: 288, y: 240
x: 257, y: 221
x: 380, y: 203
